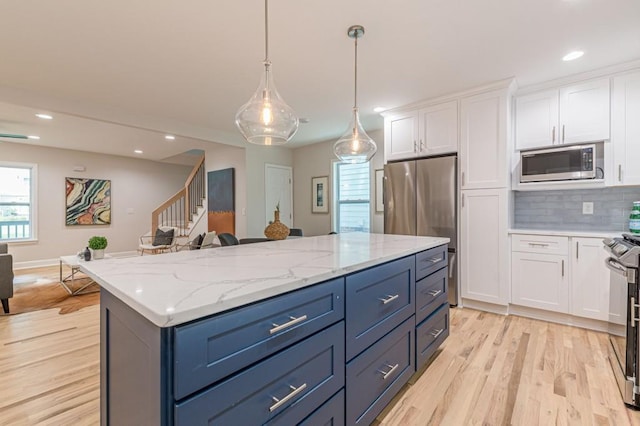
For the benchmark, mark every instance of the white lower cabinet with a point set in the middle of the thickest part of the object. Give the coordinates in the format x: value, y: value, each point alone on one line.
x: 589, y: 279
x: 538, y: 279
x: 563, y: 274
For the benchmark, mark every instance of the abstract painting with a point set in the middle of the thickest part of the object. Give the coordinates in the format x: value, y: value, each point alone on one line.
x: 88, y: 201
x: 221, y: 207
x: 320, y: 194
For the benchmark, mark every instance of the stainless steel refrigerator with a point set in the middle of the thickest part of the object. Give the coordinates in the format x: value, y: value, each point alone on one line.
x: 420, y: 199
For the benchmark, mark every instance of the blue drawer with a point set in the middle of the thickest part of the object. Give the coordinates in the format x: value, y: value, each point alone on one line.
x: 430, y: 334
x: 431, y: 292
x: 378, y: 299
x: 209, y: 350
x: 301, y: 377
x: 429, y: 261
x: 331, y: 413
x: 376, y: 376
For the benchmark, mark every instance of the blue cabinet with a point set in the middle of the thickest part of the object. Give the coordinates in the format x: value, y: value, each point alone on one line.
x: 429, y: 261
x: 211, y: 349
x: 431, y: 293
x: 430, y: 334
x: 378, y: 299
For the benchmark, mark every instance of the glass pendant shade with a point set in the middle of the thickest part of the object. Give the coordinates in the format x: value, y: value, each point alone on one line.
x: 355, y: 146
x: 266, y: 119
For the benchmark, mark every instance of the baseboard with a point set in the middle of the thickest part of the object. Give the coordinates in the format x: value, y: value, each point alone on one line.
x: 485, y: 306
x: 56, y: 261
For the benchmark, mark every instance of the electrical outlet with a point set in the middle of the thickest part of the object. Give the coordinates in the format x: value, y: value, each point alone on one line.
x: 587, y: 207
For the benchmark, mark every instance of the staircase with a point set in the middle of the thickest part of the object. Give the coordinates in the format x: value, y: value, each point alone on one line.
x: 181, y: 209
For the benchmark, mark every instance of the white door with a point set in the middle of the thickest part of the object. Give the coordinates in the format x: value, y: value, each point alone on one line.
x: 484, y: 261
x: 278, y: 192
x: 483, y: 141
x: 400, y: 136
x: 589, y: 279
x: 540, y: 281
x: 584, y: 112
x: 625, y: 137
x: 439, y: 129
x: 537, y: 120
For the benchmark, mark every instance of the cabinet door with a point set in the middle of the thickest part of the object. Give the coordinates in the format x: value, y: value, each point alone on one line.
x: 589, y: 279
x: 537, y: 120
x: 483, y: 142
x: 540, y: 281
x: 484, y: 258
x: 439, y: 129
x: 625, y: 119
x: 584, y: 112
x: 401, y: 136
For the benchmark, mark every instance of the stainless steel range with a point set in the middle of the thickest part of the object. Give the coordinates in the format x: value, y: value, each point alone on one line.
x: 624, y: 356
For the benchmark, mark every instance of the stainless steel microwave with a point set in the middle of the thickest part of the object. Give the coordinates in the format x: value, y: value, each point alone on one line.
x: 570, y: 162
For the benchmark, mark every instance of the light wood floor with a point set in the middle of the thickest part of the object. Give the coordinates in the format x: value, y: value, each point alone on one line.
x: 492, y: 370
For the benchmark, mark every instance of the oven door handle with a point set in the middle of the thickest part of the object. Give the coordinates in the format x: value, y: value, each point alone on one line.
x: 615, y: 266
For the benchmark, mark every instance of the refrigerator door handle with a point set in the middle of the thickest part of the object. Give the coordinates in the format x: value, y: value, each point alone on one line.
x: 452, y: 263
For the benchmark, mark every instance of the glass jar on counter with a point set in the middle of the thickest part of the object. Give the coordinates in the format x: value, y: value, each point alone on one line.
x: 634, y: 218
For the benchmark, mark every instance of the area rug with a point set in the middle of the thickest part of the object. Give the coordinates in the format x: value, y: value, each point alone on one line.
x: 34, y: 292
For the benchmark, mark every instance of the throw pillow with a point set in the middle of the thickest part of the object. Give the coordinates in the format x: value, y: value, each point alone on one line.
x: 197, y: 242
x: 163, y: 238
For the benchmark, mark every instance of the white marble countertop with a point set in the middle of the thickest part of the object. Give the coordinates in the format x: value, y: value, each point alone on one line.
x: 594, y: 234
x: 170, y: 289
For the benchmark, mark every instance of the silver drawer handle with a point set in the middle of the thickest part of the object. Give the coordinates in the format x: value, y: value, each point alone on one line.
x: 279, y: 402
x: 538, y: 245
x: 435, y: 259
x: 434, y: 293
x: 293, y: 321
x: 386, y: 374
x: 389, y: 298
x: 435, y: 333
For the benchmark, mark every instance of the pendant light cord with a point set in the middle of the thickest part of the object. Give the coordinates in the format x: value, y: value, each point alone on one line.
x: 266, y: 32
x: 355, y: 88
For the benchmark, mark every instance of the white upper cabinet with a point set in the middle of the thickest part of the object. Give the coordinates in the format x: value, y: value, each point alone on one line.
x: 483, y: 140
x: 428, y: 131
x: 571, y: 114
x: 537, y: 120
x: 584, y: 112
x: 625, y: 136
x: 401, y: 136
x: 438, y: 129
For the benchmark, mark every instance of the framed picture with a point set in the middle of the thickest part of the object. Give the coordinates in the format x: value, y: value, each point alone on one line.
x: 88, y: 201
x: 320, y: 194
x: 379, y: 189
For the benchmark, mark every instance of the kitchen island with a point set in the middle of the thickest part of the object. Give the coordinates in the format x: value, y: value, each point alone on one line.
x: 279, y: 332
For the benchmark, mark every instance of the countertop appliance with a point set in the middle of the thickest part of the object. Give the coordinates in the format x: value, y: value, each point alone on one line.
x: 624, y: 356
x: 570, y: 162
x: 420, y: 199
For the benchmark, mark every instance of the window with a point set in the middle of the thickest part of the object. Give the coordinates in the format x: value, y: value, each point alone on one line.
x: 352, y: 197
x: 16, y: 201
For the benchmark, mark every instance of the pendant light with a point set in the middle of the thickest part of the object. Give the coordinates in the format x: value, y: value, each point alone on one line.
x: 266, y: 119
x: 355, y: 146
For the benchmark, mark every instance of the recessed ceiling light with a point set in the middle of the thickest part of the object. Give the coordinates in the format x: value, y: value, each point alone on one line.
x: 169, y: 137
x: 138, y: 151
x: 44, y: 116
x: 572, y: 55
x: 379, y: 109
x: 33, y: 137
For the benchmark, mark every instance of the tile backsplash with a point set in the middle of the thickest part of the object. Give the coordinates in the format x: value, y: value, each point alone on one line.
x: 562, y: 210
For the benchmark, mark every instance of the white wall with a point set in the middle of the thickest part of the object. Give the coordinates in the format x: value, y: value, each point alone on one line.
x: 257, y: 157
x: 139, y: 185
x: 316, y: 160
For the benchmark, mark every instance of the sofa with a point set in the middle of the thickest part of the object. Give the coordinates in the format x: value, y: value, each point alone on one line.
x: 6, y: 276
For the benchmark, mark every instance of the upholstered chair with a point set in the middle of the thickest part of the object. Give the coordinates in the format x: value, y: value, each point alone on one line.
x: 6, y: 277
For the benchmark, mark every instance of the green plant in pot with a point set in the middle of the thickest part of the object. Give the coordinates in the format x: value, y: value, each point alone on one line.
x: 97, y: 244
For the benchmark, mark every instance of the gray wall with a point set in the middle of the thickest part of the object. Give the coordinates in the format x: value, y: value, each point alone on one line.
x: 562, y: 210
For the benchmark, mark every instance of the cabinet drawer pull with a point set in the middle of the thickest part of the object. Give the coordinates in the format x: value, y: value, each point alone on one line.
x: 563, y: 133
x: 553, y: 135
x: 436, y: 333
x: 421, y: 145
x: 386, y: 374
x: 435, y: 259
x: 434, y: 293
x: 293, y: 321
x: 539, y: 244
x: 294, y: 391
x: 619, y: 172
x: 389, y: 298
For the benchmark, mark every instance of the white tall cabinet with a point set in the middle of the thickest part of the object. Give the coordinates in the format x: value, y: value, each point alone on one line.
x: 625, y: 136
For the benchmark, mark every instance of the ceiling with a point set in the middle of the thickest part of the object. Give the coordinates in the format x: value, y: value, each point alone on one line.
x: 117, y: 75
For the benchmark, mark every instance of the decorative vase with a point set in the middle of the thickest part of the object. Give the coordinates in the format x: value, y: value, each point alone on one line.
x: 98, y: 254
x: 276, y: 229
x: 87, y: 254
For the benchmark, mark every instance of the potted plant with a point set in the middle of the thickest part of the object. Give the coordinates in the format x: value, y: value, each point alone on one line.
x: 98, y: 244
